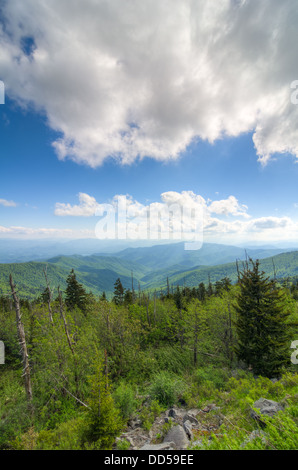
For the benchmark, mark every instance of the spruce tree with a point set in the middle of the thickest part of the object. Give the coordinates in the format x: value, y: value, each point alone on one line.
x: 104, y: 422
x: 263, y: 341
x: 76, y: 295
x: 118, y: 292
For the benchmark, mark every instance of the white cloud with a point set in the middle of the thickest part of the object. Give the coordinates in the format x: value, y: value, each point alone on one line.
x: 27, y: 232
x: 178, y: 216
x: 267, y: 223
x: 5, y: 203
x: 228, y: 206
x: 131, y: 79
x: 86, y: 208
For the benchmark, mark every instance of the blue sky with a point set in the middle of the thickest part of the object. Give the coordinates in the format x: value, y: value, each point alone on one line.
x: 231, y: 149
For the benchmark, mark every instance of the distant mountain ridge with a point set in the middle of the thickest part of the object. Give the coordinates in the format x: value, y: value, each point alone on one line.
x: 147, y: 267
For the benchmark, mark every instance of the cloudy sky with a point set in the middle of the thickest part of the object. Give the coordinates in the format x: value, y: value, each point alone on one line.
x: 167, y: 103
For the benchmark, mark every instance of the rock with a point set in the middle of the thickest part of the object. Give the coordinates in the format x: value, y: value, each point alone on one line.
x: 191, y: 418
x: 172, y: 413
x: 135, y: 423
x: 254, y: 435
x: 187, y: 426
x: 267, y: 407
x: 157, y: 447
x: 197, y: 443
x: 177, y: 435
x: 193, y: 412
x: 210, y: 408
x: 137, y: 437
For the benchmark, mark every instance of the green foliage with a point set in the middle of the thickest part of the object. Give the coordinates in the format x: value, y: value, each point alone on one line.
x: 123, y: 444
x: 149, y: 413
x: 14, y: 416
x: 66, y: 436
x: 118, y: 292
x: 170, y: 349
x: 263, y: 336
x: 212, y: 375
x: 166, y: 388
x: 124, y: 397
x: 75, y: 294
x: 103, y: 418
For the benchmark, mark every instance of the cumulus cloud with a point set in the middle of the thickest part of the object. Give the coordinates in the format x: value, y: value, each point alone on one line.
x: 228, y: 206
x: 5, y: 203
x: 134, y: 79
x: 266, y: 223
x: 86, y: 207
x: 180, y: 216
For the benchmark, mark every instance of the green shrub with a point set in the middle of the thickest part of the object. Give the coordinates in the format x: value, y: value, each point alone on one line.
x: 149, y: 413
x: 124, y: 397
x: 166, y: 389
x: 123, y: 444
x: 67, y: 436
x: 217, y: 377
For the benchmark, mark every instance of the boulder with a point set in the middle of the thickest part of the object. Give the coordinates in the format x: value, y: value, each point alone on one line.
x: 178, y: 436
x: 191, y: 418
x: 187, y: 426
x: 267, y: 407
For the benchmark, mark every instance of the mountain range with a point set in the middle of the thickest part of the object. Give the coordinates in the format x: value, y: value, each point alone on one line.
x: 147, y: 267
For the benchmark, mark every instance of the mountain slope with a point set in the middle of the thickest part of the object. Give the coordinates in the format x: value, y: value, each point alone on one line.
x: 164, y: 256
x: 98, y: 273
x: 282, y: 266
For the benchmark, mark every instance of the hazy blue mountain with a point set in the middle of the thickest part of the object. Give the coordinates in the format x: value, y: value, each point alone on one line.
x: 20, y: 251
x: 280, y: 266
x: 98, y: 273
x: 161, y: 257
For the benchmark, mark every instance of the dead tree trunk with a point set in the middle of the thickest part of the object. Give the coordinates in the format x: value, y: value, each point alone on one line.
x: 22, y: 340
x: 49, y: 296
x: 65, y: 323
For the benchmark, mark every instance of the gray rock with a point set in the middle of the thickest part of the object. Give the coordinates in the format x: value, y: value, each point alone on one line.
x: 177, y: 435
x: 267, y: 407
x: 191, y: 418
x: 172, y: 413
x: 163, y: 446
x: 254, y: 435
x: 197, y: 443
x: 187, y: 426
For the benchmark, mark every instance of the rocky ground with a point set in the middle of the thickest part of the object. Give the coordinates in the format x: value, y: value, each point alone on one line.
x: 178, y: 428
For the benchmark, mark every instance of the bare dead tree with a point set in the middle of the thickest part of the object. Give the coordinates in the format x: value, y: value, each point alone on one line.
x: 50, y: 295
x: 22, y: 340
x: 146, y: 298
x: 238, y: 272
x: 65, y: 323
x: 274, y: 269
x: 154, y: 312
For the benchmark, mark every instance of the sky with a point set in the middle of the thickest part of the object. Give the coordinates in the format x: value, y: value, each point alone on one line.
x: 187, y: 112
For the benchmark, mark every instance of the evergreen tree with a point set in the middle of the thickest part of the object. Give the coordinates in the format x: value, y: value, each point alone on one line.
x: 104, y: 420
x: 118, y: 292
x: 202, y: 293
x: 76, y: 295
x: 263, y: 340
x: 103, y: 296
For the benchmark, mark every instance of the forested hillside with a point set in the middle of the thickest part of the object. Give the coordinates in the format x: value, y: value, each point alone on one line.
x: 98, y: 273
x: 99, y: 374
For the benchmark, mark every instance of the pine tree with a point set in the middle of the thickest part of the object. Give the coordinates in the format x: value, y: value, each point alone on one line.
x: 263, y: 339
x: 202, y: 293
x: 118, y: 292
x: 76, y: 295
x: 104, y: 421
